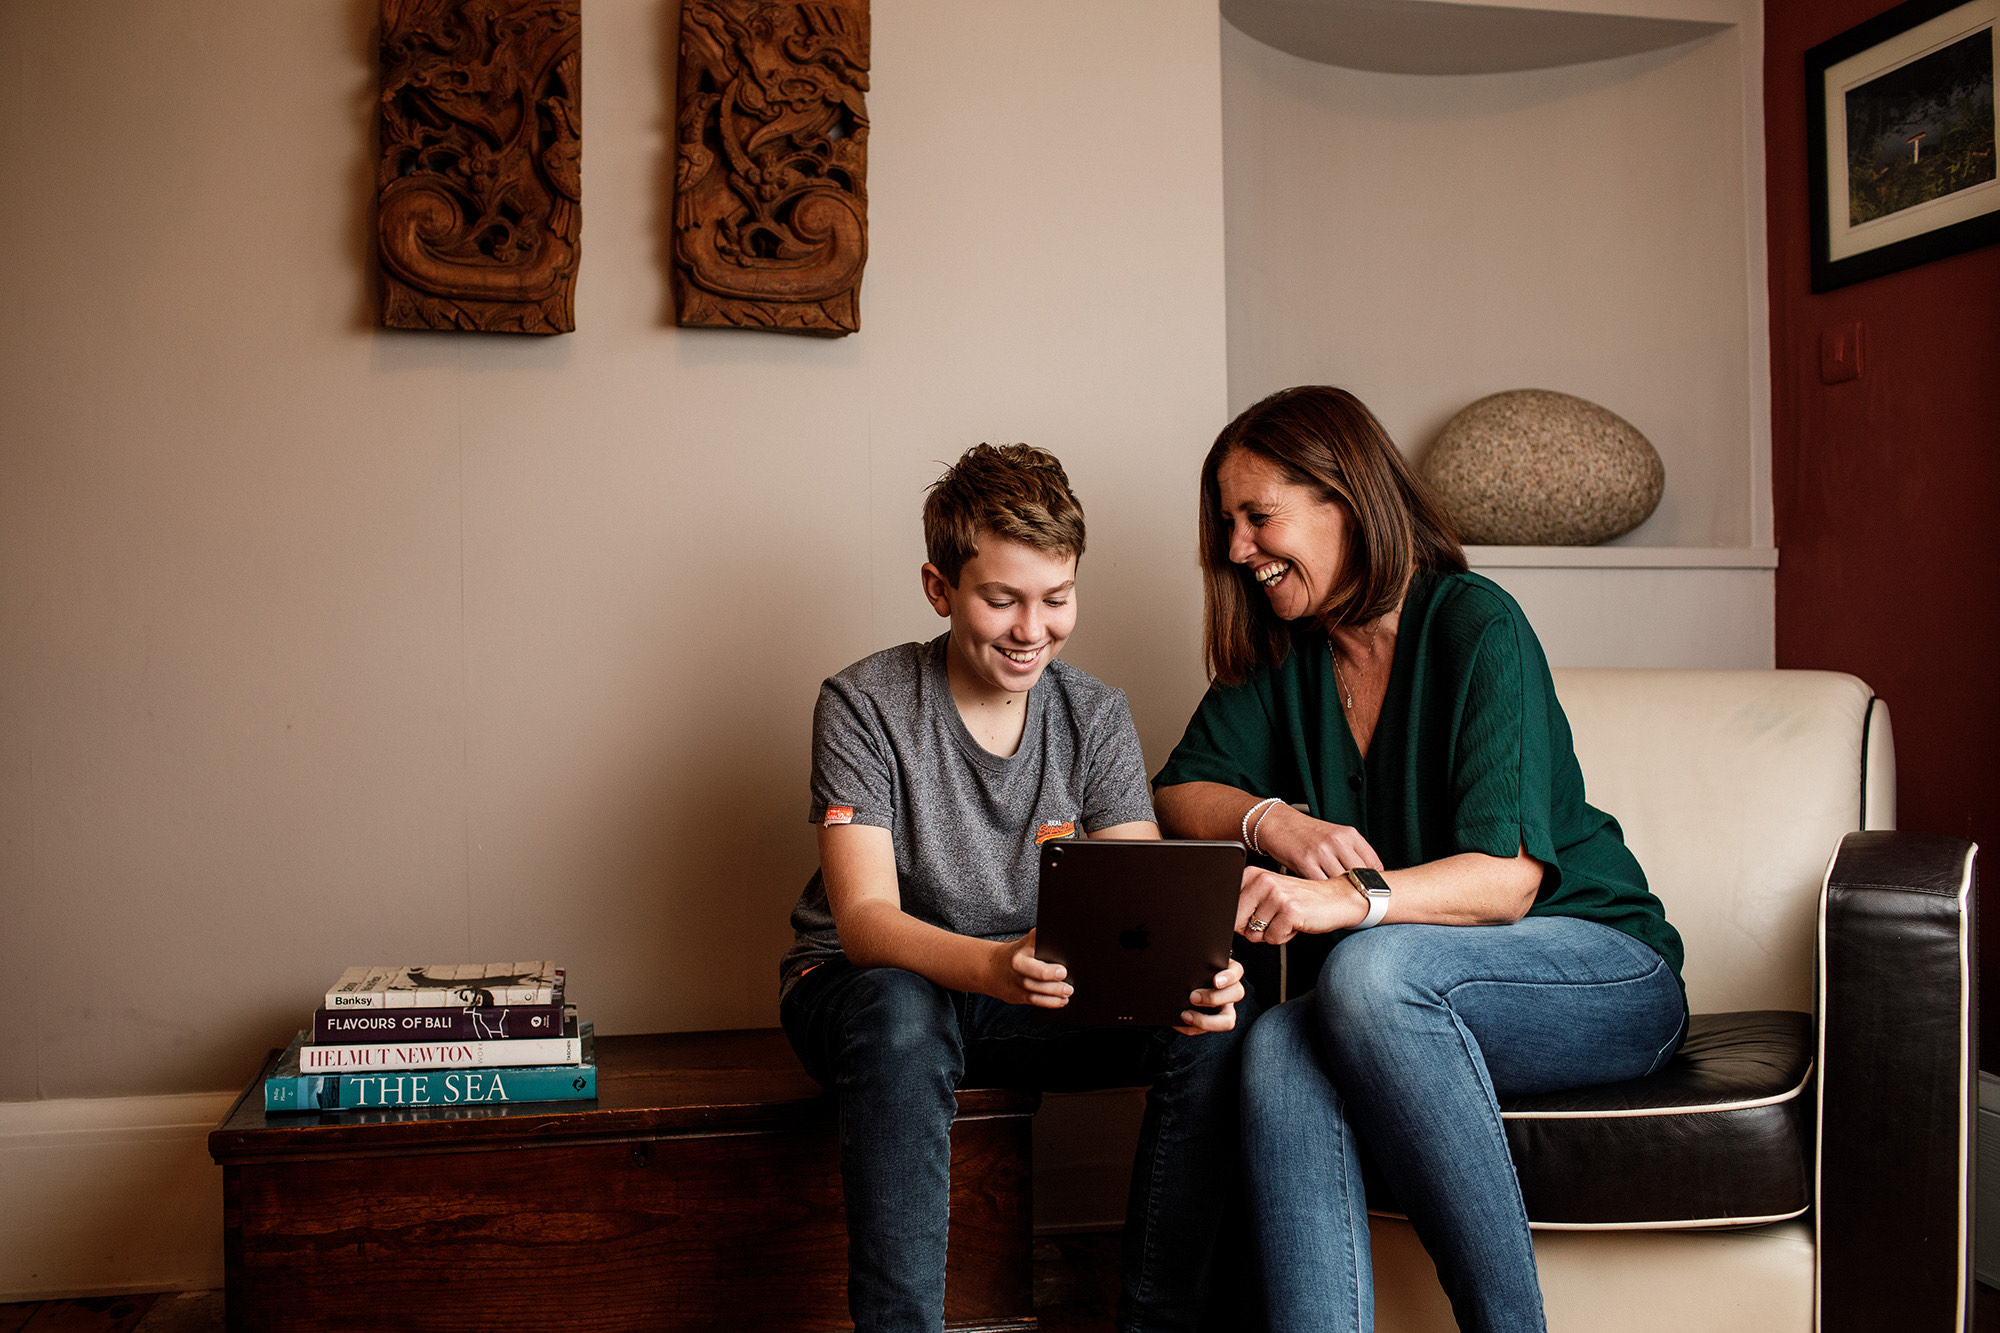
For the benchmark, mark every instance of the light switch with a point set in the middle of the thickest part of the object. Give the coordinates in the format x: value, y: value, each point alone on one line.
x: 1840, y: 353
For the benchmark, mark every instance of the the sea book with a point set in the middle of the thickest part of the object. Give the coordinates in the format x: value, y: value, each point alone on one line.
x: 395, y: 1057
x: 446, y: 986
x: 499, y: 1022
x: 287, y: 1089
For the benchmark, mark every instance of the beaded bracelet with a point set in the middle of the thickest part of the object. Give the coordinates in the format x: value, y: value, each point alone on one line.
x: 1264, y: 805
x: 1254, y: 845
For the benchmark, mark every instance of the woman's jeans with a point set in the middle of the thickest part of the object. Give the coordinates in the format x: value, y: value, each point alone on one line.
x: 894, y: 1048
x: 1400, y: 1052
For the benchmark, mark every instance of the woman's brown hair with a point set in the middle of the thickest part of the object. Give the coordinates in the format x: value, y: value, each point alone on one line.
x: 1324, y: 439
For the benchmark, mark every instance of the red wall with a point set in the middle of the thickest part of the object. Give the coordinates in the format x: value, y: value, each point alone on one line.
x: 1887, y: 488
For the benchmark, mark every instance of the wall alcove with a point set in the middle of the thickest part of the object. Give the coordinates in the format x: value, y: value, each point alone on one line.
x: 1430, y: 202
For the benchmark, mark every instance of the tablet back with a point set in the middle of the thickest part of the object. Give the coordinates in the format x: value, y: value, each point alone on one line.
x: 1138, y: 924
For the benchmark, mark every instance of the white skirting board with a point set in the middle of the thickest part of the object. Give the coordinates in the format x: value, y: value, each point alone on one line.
x: 102, y: 1196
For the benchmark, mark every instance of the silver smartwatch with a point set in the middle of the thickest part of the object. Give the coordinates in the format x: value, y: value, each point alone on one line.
x: 1371, y: 885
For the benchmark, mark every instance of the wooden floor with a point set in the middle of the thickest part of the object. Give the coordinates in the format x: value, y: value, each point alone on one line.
x: 1076, y: 1291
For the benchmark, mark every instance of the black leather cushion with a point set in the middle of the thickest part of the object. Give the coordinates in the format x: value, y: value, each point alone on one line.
x: 1722, y: 1135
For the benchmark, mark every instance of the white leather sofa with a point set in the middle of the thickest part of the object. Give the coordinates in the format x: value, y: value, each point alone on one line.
x: 1828, y: 1183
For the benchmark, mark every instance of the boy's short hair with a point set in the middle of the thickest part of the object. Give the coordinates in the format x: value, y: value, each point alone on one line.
x: 1014, y: 492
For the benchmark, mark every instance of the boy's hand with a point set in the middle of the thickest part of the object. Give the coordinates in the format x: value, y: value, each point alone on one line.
x: 1227, y: 991
x: 1021, y: 978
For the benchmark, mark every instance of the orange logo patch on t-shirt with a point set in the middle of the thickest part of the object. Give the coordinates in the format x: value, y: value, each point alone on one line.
x: 1048, y: 832
x: 838, y: 814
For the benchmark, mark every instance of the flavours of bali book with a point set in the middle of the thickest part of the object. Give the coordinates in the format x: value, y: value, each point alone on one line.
x: 499, y: 1022
x: 446, y: 986
x: 287, y: 1088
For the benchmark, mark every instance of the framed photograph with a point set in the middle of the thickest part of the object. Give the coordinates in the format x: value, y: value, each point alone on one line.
x: 1899, y: 119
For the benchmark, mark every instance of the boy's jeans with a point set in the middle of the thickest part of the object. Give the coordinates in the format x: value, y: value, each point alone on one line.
x: 894, y: 1048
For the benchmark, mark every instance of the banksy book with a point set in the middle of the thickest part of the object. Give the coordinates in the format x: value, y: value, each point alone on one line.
x: 498, y: 1022
x: 392, y: 1057
x: 287, y: 1089
x: 446, y: 986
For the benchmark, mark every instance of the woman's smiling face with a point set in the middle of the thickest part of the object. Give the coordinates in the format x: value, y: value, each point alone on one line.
x: 1293, y: 543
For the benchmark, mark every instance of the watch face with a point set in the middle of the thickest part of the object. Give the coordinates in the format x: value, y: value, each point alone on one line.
x: 1371, y: 880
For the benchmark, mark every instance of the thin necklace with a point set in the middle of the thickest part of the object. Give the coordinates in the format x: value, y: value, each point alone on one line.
x: 1337, y: 682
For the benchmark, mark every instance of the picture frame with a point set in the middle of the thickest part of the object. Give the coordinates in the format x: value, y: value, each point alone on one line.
x: 1919, y: 75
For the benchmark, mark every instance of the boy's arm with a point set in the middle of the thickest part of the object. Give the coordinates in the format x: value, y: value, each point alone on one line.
x: 858, y: 865
x: 1138, y: 830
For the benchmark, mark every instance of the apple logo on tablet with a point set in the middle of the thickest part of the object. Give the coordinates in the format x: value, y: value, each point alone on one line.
x: 1136, y: 938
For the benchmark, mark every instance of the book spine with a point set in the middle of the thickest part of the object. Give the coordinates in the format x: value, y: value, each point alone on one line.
x: 439, y: 998
x: 301, y: 1092
x: 394, y: 1057
x: 505, y: 1022
x: 437, y: 1087
x: 445, y: 997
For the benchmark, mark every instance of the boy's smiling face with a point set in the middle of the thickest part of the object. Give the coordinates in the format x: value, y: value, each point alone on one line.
x: 1013, y: 610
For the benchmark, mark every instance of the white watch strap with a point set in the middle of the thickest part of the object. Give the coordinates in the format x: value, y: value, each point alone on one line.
x: 1378, y: 900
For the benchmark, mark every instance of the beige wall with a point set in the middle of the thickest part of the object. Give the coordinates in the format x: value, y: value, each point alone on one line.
x: 322, y: 645
x: 1597, y: 229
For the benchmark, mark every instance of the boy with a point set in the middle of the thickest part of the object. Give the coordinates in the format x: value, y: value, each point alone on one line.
x: 938, y: 770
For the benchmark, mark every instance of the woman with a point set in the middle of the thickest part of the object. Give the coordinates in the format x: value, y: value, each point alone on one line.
x: 1495, y: 936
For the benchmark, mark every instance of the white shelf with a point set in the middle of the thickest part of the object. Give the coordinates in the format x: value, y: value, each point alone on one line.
x: 1483, y: 37
x: 1622, y: 557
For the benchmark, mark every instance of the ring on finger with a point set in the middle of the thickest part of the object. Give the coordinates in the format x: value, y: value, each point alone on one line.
x: 1253, y: 924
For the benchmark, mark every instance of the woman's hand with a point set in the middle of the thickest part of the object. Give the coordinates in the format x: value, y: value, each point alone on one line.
x: 1312, y: 848
x: 1018, y: 977
x: 1272, y: 907
x: 1228, y: 989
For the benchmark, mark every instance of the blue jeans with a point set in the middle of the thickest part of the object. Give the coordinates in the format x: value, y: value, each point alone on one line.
x: 894, y: 1048
x: 1400, y: 1052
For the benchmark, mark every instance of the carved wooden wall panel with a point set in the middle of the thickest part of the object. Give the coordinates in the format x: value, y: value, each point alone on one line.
x: 771, y: 199
x: 478, y: 190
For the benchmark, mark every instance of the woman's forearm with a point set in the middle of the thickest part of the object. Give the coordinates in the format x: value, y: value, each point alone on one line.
x: 1309, y: 848
x: 1207, y: 810
x: 1469, y: 889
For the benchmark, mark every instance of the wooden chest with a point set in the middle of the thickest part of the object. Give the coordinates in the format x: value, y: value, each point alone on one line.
x: 701, y: 1190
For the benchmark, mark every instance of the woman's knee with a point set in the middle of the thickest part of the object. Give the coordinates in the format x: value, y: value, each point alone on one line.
x: 1281, y: 1058
x: 1370, y: 975
x: 1280, y: 1035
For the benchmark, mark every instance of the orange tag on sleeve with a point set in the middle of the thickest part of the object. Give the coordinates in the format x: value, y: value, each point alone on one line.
x: 838, y: 814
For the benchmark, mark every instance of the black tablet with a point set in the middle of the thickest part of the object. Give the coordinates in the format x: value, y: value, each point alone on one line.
x: 1139, y: 924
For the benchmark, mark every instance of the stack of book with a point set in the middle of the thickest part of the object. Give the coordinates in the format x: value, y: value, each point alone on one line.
x: 455, y: 1034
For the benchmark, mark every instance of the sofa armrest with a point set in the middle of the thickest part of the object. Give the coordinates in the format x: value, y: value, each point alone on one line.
x: 1897, y: 1070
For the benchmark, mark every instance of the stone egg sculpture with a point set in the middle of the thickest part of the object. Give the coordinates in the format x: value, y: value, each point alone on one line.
x: 1532, y: 467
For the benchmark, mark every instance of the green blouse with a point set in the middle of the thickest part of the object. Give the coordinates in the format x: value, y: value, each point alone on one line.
x: 1472, y: 754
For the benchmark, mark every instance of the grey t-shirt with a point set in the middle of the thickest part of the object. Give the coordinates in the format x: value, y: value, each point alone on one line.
x: 889, y: 749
